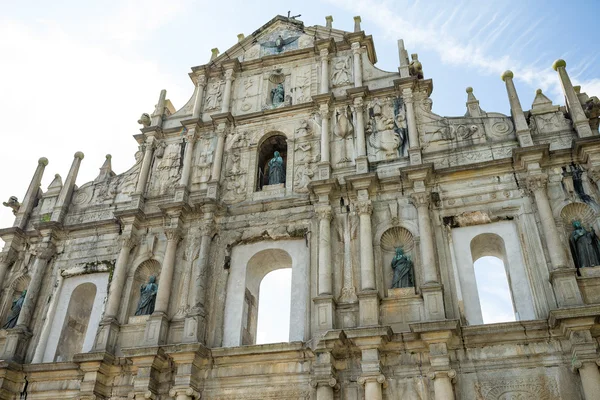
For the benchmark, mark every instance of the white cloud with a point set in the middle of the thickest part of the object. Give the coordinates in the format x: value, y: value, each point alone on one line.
x: 461, y: 36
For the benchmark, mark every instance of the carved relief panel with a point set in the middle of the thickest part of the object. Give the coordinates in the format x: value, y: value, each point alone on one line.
x: 166, y: 168
x: 387, y: 136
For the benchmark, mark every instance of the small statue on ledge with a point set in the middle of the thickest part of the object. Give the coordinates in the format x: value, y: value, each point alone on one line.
x: 13, y: 203
x: 147, y: 297
x: 277, y: 95
x: 403, y: 270
x: 15, y: 310
x: 585, y: 246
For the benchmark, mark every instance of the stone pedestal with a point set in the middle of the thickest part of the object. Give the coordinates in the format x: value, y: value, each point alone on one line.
x: 399, y: 293
x: 362, y: 165
x: 414, y: 155
x: 156, y: 330
x: 433, y: 298
x: 212, y: 189
x: 325, y: 309
x: 324, y: 170
x: 193, y: 329
x: 15, y: 345
x: 368, y: 308
x: 106, y: 339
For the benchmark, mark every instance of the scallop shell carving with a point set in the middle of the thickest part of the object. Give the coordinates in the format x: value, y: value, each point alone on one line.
x: 578, y: 211
x: 397, y: 237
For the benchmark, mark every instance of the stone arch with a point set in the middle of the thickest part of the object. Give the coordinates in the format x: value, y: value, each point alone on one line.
x: 267, y: 145
x: 145, y: 269
x: 249, y: 264
x: 497, y: 239
x: 76, y: 322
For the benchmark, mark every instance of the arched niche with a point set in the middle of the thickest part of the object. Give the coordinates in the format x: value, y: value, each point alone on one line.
x: 577, y: 212
x: 13, y: 291
x: 143, y: 272
x: 249, y: 265
x: 391, y: 239
x: 76, y: 322
x: 267, y: 146
x: 72, y: 301
x: 501, y: 240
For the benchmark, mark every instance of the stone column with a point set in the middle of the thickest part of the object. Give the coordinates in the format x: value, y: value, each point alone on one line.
x: 537, y: 185
x: 442, y: 384
x: 324, y: 88
x: 580, y: 121
x: 166, y: 272
x: 562, y: 277
x: 590, y: 379
x: 43, y: 252
x: 324, y: 391
x: 64, y: 197
x: 117, y: 284
x: 184, y: 394
x: 358, y: 79
x: 361, y: 147
x: 227, y: 92
x: 421, y: 201
x: 200, y: 85
x: 193, y: 330
x: 218, y: 160
x: 187, y: 158
x: 31, y: 195
x: 324, y: 111
x: 146, y: 163
x: 373, y: 389
x: 367, y: 265
x: 521, y: 127
x: 414, y: 150
x: 325, y: 270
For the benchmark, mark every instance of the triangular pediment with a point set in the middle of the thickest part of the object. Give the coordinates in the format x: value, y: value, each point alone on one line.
x: 278, y: 36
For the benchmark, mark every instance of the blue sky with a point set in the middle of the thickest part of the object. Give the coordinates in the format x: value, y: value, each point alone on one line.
x: 75, y: 76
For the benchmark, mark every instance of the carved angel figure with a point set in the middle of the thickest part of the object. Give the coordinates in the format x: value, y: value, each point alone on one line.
x: 279, y: 43
x: 213, y: 96
x: 341, y: 71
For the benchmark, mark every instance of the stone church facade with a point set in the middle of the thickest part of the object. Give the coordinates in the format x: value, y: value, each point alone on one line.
x: 364, y: 168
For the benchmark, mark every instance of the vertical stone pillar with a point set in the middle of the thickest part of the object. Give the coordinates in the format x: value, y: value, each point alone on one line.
x: 117, y: 284
x: 31, y: 195
x: 414, y: 150
x: 193, y: 330
x: 421, y: 201
x: 442, y: 384
x: 372, y: 378
x: 64, y: 197
x: 325, y: 270
x: 563, y: 278
x: 521, y: 127
x: 580, y: 121
x: 43, y: 252
x: 146, y: 163
x: 324, y: 55
x: 200, y: 85
x: 166, y: 272
x: 358, y: 79
x: 225, y: 106
x: 218, y: 160
x: 403, y: 58
x: 187, y: 158
x: 590, y: 379
x: 367, y: 264
x: 324, y: 111
x: 159, y: 110
x: 361, y: 147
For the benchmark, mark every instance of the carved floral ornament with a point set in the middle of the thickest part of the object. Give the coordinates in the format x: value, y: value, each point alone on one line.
x: 324, y: 212
x: 364, y: 207
x: 421, y: 199
x: 537, y: 182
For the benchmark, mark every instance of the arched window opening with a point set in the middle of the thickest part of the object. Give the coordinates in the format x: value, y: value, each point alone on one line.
x: 274, y: 307
x: 493, y: 283
x: 266, y: 153
x: 495, y: 297
x: 76, y: 322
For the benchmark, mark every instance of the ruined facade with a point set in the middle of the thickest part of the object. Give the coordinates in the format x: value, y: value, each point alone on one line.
x: 363, y: 167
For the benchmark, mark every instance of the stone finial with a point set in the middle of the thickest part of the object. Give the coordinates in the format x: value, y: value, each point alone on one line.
x: 106, y: 171
x: 214, y: 53
x: 473, y: 109
x: 55, y: 186
x: 43, y: 161
x: 240, y: 37
x: 357, y: 21
x: 79, y: 155
x: 577, y: 89
x: 404, y: 62
x: 508, y: 74
x: 559, y: 64
x: 144, y: 120
x: 329, y: 21
x: 542, y: 104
